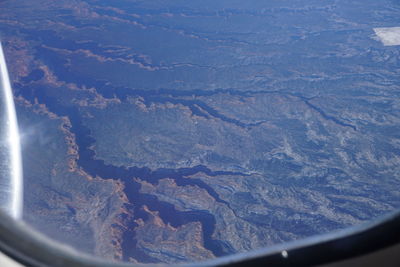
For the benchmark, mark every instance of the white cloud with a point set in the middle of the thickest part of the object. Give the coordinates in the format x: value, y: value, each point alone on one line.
x: 388, y: 36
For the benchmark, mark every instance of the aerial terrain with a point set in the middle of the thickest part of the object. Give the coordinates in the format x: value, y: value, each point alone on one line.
x: 178, y: 131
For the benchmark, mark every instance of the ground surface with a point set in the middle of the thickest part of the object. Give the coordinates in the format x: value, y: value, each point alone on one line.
x: 173, y: 131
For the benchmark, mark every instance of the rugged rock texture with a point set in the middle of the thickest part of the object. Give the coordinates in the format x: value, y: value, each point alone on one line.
x: 176, y: 131
x: 61, y: 200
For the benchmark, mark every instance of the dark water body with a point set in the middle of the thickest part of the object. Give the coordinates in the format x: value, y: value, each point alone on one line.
x: 137, y: 200
x: 328, y: 117
x: 87, y: 161
x: 35, y: 75
x: 50, y: 39
x: 197, y: 107
x: 58, y: 64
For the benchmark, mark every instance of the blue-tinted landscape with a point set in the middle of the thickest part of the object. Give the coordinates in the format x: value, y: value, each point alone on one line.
x: 177, y: 131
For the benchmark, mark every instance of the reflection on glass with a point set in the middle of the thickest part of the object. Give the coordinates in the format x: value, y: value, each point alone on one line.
x: 178, y: 131
x: 10, y: 150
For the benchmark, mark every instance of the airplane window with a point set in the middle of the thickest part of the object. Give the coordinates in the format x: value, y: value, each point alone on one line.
x: 184, y: 131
